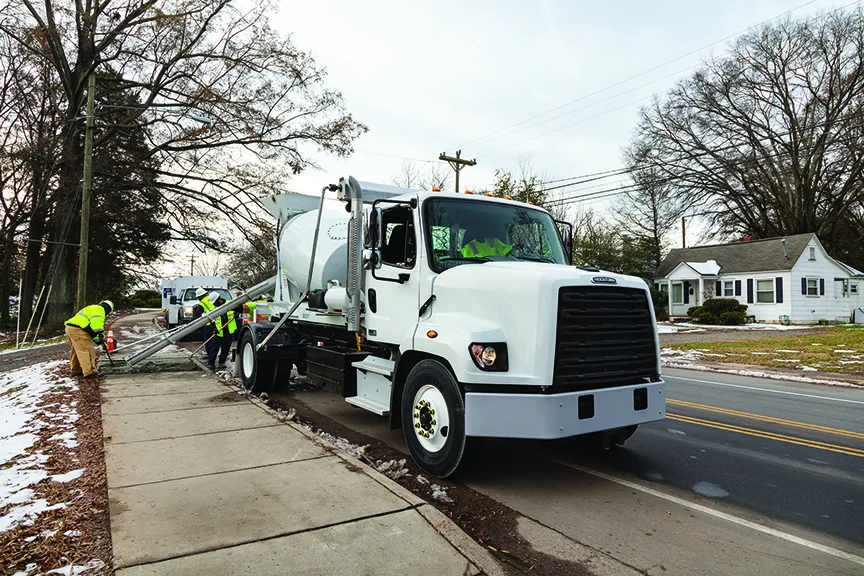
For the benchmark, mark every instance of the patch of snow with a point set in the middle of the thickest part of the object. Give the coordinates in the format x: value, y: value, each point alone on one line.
x: 757, y: 374
x: 684, y: 327
x: 440, y: 493
x: 68, y: 476
x: 21, y: 420
x: 72, y: 533
x: 73, y: 570
x: 67, y: 438
x: 845, y: 351
x: 789, y: 351
x: 808, y: 368
x: 762, y: 353
x: 393, y: 469
x: 342, y: 444
x: 422, y: 479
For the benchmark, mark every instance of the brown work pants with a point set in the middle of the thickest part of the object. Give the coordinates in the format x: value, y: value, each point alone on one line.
x: 83, y: 358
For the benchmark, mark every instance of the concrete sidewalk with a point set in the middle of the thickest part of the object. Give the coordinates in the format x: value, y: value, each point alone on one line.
x: 202, y: 480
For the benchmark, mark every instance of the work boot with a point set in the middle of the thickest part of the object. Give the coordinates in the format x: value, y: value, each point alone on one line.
x: 93, y: 375
x: 211, y: 367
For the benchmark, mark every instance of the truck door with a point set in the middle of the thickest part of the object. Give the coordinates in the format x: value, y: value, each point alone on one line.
x: 392, y: 290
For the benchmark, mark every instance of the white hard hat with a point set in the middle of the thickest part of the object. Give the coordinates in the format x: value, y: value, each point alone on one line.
x: 110, y: 305
x: 214, y: 296
x: 200, y: 292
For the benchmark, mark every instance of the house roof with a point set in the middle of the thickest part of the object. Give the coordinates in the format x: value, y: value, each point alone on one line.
x: 709, y: 268
x: 752, y: 256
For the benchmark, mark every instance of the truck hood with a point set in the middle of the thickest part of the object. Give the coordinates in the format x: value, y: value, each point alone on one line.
x: 514, y: 302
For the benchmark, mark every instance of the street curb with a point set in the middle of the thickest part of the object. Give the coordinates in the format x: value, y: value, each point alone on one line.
x: 444, y: 526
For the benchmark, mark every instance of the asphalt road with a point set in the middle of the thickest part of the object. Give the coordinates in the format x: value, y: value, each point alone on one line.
x: 746, y: 476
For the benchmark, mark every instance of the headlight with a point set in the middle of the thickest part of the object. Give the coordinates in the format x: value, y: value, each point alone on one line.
x: 188, y: 310
x: 491, y: 357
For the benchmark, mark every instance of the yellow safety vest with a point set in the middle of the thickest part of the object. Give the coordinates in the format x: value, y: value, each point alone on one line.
x: 92, y: 316
x: 489, y: 247
x: 232, y: 322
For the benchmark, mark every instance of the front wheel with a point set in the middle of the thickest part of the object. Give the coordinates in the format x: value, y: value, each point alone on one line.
x: 433, y: 418
x: 257, y: 375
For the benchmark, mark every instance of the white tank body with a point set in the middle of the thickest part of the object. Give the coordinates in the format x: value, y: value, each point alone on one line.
x: 331, y: 257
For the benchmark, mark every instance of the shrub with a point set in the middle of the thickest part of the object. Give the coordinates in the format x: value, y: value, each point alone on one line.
x: 725, y: 311
x: 659, y: 300
x: 146, y: 299
x: 731, y: 318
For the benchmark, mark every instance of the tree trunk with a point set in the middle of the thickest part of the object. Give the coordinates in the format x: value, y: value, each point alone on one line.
x: 5, y: 279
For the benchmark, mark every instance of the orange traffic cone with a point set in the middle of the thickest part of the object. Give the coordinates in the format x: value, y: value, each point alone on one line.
x: 110, y: 340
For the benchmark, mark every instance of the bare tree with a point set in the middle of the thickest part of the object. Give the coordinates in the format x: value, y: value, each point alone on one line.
x: 175, y: 61
x: 769, y: 136
x: 647, y: 214
x: 411, y: 176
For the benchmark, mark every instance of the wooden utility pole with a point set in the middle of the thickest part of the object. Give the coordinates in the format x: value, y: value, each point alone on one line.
x: 683, y: 233
x: 457, y: 164
x: 191, y: 264
x: 85, y: 197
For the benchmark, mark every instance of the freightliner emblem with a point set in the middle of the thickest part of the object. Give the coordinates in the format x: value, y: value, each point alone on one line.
x: 603, y: 280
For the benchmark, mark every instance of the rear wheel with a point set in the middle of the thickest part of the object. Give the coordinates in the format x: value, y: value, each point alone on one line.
x: 256, y: 374
x: 433, y: 418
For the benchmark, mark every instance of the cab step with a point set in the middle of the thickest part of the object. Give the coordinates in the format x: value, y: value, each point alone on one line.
x: 370, y: 405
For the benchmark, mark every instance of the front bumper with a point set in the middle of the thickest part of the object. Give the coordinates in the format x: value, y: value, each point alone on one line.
x: 549, y: 416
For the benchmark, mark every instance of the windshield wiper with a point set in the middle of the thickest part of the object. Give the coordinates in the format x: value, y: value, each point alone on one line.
x: 478, y: 259
x: 535, y: 258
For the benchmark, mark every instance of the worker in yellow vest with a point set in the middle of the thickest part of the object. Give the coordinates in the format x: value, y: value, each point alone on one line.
x: 83, y: 329
x: 477, y: 248
x: 224, y: 328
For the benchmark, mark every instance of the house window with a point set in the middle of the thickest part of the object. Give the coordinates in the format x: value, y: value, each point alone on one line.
x: 728, y: 288
x: 853, y: 288
x: 664, y: 288
x: 812, y: 287
x: 812, y: 253
x: 677, y: 293
x: 765, y: 291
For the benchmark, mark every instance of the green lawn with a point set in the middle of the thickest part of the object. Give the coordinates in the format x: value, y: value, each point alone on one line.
x: 838, y: 349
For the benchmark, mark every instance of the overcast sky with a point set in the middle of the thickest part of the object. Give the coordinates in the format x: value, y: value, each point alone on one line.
x: 432, y: 76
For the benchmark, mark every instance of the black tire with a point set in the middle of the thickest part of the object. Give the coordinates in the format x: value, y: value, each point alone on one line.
x: 256, y: 374
x: 445, y: 460
x: 282, y: 377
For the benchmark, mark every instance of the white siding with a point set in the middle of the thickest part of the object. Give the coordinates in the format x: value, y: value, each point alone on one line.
x: 831, y: 306
x: 764, y: 312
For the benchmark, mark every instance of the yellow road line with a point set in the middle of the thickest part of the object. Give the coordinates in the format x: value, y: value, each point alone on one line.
x: 783, y: 421
x: 768, y: 435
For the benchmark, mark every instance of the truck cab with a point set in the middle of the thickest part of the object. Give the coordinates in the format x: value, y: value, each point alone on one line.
x: 459, y: 317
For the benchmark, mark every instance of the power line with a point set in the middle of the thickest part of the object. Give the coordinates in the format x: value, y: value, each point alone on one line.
x: 694, y: 156
x: 639, y: 75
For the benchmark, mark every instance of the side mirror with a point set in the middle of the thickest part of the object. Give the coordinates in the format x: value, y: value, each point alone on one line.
x: 567, y: 240
x: 173, y: 300
x: 376, y: 226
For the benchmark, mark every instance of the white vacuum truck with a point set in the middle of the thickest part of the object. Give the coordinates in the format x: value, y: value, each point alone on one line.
x: 456, y: 316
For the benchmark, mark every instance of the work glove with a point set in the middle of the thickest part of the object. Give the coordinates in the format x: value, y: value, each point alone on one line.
x: 104, y: 345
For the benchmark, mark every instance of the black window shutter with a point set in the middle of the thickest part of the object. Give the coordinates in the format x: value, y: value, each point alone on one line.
x: 821, y: 286
x: 749, y: 290
x: 804, y: 286
x: 778, y: 292
x: 686, y: 292
x: 737, y: 287
x: 719, y: 289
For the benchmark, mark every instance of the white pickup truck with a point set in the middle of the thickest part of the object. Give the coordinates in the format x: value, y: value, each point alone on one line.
x: 178, y: 295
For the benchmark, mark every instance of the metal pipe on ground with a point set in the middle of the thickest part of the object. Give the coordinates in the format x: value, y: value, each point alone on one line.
x: 173, y: 338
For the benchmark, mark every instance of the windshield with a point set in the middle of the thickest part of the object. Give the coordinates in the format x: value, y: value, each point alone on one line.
x: 190, y: 293
x: 466, y: 232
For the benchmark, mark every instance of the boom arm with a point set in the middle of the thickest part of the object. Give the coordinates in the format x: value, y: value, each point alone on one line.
x: 175, y: 336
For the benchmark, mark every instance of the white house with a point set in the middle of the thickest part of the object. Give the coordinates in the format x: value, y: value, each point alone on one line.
x: 789, y: 279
